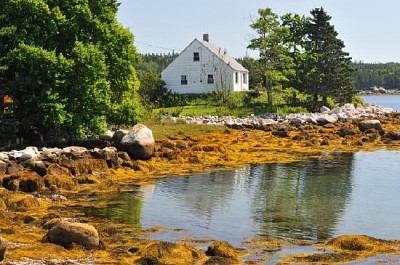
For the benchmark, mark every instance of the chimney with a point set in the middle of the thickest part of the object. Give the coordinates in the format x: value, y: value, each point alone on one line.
x: 206, y: 37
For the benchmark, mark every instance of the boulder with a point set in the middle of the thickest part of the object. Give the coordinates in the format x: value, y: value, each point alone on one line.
x: 344, y: 131
x: 76, y: 152
x: 26, y: 181
x: 36, y: 166
x: 138, y: 142
x: 281, y: 132
x: 23, y: 155
x: 370, y: 124
x: 109, y: 154
x: 296, y: 121
x: 393, y: 135
x: 3, y: 248
x: 66, y: 234
x: 55, y: 169
x: 222, y: 249
x: 325, y: 119
x: 170, y: 253
x: 63, y: 182
x: 13, y: 168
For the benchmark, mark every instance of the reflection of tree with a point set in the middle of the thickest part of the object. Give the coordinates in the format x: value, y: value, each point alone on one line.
x: 303, y: 200
x: 205, y: 194
x: 123, y: 207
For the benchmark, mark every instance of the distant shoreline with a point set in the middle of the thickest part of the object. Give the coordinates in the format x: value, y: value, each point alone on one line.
x: 372, y: 93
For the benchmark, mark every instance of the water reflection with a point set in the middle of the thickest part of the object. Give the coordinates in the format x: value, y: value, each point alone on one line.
x: 124, y: 208
x: 204, y: 195
x: 302, y: 200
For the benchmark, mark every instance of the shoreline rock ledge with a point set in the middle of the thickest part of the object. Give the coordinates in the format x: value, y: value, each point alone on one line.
x: 346, y: 112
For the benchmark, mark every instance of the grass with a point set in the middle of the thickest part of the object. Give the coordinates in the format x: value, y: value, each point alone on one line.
x: 204, y: 110
x: 167, y: 128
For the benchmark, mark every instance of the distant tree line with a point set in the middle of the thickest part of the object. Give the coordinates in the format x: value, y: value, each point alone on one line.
x: 385, y: 75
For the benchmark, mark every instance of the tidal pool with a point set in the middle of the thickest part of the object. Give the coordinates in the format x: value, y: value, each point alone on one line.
x: 313, y: 200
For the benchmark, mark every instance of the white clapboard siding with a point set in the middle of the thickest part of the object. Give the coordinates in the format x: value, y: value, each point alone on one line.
x: 227, y: 73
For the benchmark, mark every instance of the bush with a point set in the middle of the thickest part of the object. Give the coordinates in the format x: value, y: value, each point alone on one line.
x: 286, y: 109
x: 357, y: 100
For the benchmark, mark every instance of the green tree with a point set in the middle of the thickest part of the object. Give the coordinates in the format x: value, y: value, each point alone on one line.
x: 274, y: 58
x: 327, y: 67
x: 256, y: 74
x: 70, y: 63
x: 295, y: 42
x: 152, y: 91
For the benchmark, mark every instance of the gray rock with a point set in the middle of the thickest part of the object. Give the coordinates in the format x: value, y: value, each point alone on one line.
x: 296, y: 121
x: 66, y: 233
x: 325, y: 119
x: 370, y: 124
x: 58, y: 198
x: 138, y: 142
x: 324, y: 109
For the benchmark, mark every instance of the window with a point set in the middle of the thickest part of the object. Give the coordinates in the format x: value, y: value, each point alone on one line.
x: 244, y: 78
x: 236, y: 77
x: 183, y: 80
x: 196, y: 57
x: 210, y: 79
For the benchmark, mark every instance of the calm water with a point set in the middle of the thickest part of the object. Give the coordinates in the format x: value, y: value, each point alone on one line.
x: 312, y: 200
x: 392, y: 101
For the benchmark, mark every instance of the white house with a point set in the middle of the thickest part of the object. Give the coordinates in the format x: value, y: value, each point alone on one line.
x: 203, y: 67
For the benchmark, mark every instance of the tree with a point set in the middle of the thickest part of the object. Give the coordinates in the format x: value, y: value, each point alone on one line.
x: 68, y: 65
x: 256, y: 73
x: 327, y: 67
x: 296, y: 24
x: 277, y: 64
x: 153, y: 92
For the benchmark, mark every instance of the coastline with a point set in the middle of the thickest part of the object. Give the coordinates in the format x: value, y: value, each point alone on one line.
x: 25, y: 214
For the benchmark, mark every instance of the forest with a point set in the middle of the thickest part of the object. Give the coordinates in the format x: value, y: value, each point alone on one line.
x: 72, y: 69
x: 386, y: 75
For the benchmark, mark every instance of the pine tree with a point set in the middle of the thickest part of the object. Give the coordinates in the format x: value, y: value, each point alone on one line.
x: 327, y: 67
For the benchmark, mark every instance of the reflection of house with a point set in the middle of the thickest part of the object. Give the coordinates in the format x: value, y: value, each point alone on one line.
x: 202, y: 67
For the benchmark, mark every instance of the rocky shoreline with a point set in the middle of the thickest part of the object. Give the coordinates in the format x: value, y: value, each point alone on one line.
x: 345, y: 112
x: 38, y: 185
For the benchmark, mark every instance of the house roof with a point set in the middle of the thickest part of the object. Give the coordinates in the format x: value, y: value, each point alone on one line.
x: 224, y: 56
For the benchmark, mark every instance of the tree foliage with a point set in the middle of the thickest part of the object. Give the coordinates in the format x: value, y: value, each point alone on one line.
x: 68, y: 65
x: 328, y: 67
x: 301, y: 53
x: 277, y: 65
x: 152, y: 90
x: 385, y: 75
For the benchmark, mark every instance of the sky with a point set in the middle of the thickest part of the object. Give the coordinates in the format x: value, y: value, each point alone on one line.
x: 370, y: 29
